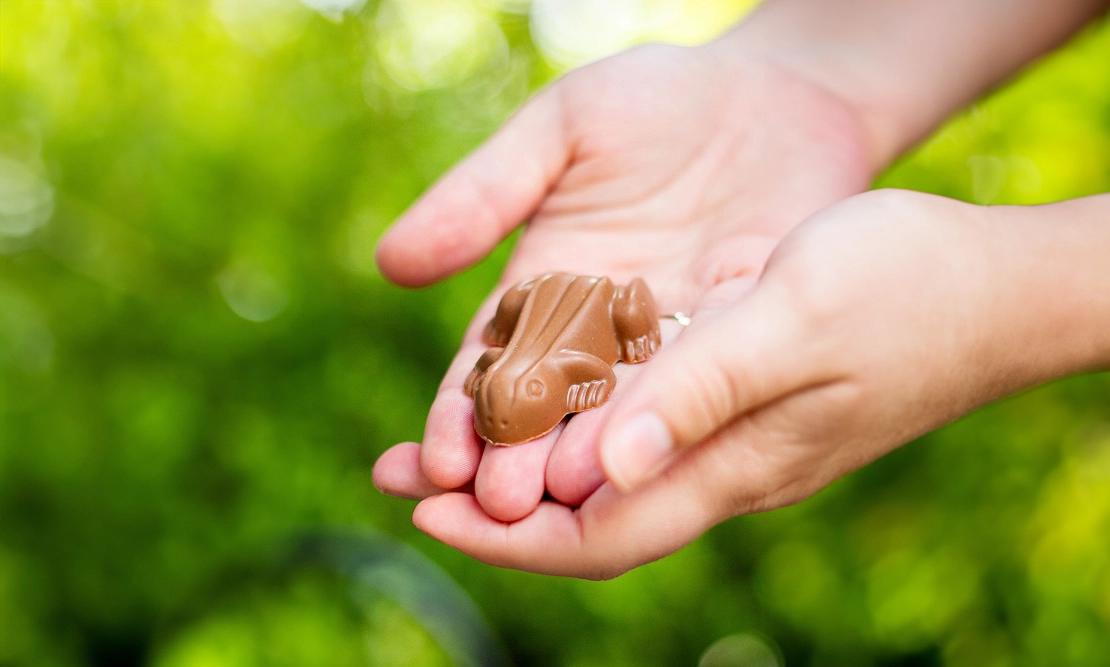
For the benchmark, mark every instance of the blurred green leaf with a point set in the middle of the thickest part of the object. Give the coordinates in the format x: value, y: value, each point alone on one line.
x: 199, y: 362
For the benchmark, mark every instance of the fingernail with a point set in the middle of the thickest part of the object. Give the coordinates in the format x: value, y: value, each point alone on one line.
x: 397, y: 494
x: 386, y: 492
x: 636, y: 450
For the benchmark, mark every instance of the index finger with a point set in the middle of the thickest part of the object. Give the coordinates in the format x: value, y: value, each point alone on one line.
x: 451, y: 449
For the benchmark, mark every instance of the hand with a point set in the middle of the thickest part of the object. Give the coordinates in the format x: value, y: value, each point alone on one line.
x: 679, y: 165
x: 877, y: 320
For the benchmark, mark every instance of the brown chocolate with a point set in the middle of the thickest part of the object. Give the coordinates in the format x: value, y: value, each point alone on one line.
x: 554, y: 341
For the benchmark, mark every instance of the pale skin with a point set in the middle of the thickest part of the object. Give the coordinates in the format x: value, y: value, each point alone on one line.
x: 829, y: 326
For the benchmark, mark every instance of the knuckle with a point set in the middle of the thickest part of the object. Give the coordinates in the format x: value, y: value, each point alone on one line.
x: 812, y: 291
x: 484, y: 204
x: 715, y: 393
x: 883, y: 199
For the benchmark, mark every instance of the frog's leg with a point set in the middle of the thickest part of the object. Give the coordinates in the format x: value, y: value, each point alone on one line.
x: 484, y: 362
x: 500, y: 329
x: 589, y: 380
x: 636, y: 320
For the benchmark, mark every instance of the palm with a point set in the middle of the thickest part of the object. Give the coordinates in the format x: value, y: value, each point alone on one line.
x: 678, y: 167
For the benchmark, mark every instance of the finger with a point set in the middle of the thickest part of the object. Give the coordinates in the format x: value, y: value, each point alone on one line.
x: 613, y: 531
x: 458, y: 520
x: 574, y: 470
x: 725, y: 364
x: 451, y: 450
x: 397, y: 472
x: 510, y: 481
x: 553, y: 540
x: 475, y: 205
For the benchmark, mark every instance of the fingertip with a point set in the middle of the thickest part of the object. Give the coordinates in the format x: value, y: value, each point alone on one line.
x: 609, y: 467
x: 448, y: 516
x: 422, y: 513
x: 451, y: 227
x: 448, y: 468
x: 475, y: 205
x: 573, y: 470
x: 397, y: 473
x: 423, y: 516
x: 633, y: 450
x: 572, y: 482
x: 451, y: 450
x: 510, y: 481
x: 398, y: 262
x: 614, y: 474
x: 382, y: 473
x: 507, y: 505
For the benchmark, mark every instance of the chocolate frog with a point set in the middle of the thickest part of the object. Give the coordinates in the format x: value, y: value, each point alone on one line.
x: 554, y: 341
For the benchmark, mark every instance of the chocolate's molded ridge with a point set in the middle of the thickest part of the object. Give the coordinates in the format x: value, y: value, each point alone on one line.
x: 484, y: 362
x: 499, y: 330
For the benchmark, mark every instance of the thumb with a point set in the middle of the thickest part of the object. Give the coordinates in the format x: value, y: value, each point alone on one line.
x: 727, y: 364
x: 476, y: 204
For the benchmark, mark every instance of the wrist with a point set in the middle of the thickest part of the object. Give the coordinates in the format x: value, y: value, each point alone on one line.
x: 1060, y: 285
x: 774, y: 37
x: 904, y: 67
x: 808, y: 94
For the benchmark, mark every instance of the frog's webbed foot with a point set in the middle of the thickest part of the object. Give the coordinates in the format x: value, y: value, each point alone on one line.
x: 639, y: 349
x: 589, y: 380
x: 636, y: 320
x: 589, y: 395
x: 484, y: 362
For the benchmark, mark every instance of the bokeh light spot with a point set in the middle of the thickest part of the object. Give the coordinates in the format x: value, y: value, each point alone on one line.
x: 571, y: 33
x: 425, y: 44
x: 252, y: 292
x: 26, y: 200
x: 261, y: 25
x: 334, y: 9
x: 740, y: 650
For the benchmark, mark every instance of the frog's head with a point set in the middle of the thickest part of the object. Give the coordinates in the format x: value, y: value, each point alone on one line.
x: 510, y: 409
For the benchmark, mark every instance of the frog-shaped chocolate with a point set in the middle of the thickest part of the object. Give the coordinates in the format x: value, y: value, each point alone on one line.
x: 554, y: 341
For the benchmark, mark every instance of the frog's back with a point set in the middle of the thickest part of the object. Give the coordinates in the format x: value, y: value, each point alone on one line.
x: 564, y: 312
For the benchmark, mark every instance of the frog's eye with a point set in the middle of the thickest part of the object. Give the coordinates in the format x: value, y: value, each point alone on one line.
x: 535, y: 388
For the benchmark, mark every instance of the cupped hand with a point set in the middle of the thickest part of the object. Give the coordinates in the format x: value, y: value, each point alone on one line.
x: 684, y: 166
x: 878, y: 319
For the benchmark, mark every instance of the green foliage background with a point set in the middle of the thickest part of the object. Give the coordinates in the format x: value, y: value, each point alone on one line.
x: 199, y: 365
